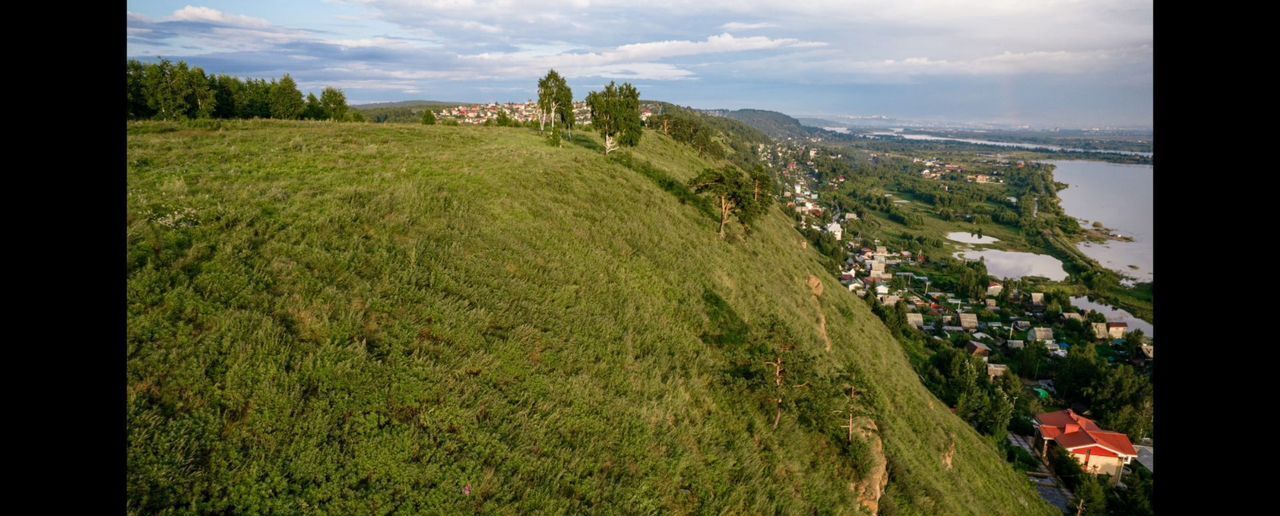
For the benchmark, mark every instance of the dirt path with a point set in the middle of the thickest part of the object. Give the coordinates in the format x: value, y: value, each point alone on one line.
x: 1048, y: 484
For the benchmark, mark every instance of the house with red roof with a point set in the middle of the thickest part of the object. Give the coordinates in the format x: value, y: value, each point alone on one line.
x: 1098, y: 451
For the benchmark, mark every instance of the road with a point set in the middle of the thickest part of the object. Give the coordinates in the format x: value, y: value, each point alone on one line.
x: 1048, y: 484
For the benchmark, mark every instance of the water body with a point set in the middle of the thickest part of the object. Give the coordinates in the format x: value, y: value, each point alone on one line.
x: 1032, y: 146
x: 1115, y: 315
x: 970, y: 238
x: 1120, y: 197
x: 1015, y: 264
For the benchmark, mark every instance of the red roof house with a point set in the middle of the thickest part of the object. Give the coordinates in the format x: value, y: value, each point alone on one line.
x: 1097, y: 450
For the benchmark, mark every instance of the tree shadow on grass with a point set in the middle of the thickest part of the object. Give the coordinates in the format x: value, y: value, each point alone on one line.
x: 586, y: 142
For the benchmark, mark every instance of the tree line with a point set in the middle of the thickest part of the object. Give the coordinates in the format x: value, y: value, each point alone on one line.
x: 168, y: 91
x: 688, y: 130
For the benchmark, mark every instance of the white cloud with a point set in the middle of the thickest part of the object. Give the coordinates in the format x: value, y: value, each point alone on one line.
x: 746, y: 26
x: 214, y: 16
x: 636, y: 60
x: 713, y: 45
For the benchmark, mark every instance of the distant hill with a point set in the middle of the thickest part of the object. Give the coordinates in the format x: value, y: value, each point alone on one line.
x: 772, y: 123
x: 820, y: 122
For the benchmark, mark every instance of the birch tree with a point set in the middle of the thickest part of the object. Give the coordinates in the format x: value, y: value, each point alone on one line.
x: 615, y: 114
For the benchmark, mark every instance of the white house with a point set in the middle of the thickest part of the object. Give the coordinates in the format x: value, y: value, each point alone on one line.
x: 835, y: 230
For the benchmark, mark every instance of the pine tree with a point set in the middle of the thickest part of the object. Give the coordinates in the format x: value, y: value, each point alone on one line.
x: 733, y: 193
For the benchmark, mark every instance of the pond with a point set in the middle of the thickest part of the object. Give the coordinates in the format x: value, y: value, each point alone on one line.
x: 970, y: 238
x: 1016, y: 264
x: 1115, y: 315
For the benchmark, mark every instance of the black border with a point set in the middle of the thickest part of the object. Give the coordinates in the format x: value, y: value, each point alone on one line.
x: 1189, y: 360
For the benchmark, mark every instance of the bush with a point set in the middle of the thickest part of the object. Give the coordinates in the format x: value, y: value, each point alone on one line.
x: 1021, y: 425
x: 1066, y: 468
x: 1021, y: 459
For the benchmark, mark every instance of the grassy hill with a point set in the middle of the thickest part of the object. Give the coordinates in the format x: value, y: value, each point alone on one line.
x: 772, y: 123
x: 355, y: 318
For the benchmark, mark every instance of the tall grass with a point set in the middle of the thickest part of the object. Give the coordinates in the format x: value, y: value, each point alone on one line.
x: 350, y: 318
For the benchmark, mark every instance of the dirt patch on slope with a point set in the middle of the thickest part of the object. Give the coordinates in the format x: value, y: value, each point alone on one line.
x: 815, y: 286
x: 871, y: 488
x: 951, y: 454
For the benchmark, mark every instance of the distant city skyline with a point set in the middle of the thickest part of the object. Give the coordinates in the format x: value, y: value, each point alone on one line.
x: 1069, y: 64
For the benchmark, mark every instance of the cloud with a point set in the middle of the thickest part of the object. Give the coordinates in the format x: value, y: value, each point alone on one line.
x: 739, y: 26
x: 415, y: 45
x: 713, y: 45
x: 214, y: 16
x: 635, y: 60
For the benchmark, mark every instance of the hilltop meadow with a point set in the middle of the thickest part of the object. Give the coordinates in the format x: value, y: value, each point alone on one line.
x: 336, y: 317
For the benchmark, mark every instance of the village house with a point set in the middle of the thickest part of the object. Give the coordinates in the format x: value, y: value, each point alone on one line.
x: 994, y: 370
x: 1042, y: 334
x: 836, y: 231
x: 1098, y: 451
x: 1072, y: 316
x: 1037, y: 298
x: 969, y: 321
x: 1099, y: 330
x: 916, y: 320
x: 1014, y: 344
x: 1116, y: 330
x: 978, y: 349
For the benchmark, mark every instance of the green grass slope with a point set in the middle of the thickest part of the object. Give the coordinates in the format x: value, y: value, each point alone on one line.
x: 358, y: 318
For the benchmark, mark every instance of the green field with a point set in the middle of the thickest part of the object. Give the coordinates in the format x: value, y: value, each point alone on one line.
x: 358, y: 318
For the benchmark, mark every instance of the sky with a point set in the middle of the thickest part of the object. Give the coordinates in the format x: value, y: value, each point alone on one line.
x: 1040, y: 63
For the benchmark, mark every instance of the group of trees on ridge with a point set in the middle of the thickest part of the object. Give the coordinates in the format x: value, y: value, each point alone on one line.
x: 555, y: 102
x: 169, y: 91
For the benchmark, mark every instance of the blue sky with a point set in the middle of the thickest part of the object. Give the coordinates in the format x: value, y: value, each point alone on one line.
x: 1044, y: 63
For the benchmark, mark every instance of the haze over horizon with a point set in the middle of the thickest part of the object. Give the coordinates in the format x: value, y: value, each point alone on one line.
x: 1053, y: 63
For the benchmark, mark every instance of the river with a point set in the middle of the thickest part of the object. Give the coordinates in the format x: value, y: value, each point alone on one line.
x: 1120, y: 197
x: 1029, y: 146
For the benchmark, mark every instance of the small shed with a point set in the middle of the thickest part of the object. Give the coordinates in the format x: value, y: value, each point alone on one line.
x: 977, y: 349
